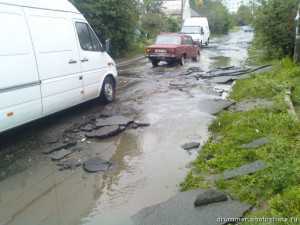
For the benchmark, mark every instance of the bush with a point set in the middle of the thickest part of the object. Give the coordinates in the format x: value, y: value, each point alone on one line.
x: 275, y: 27
x: 286, y: 204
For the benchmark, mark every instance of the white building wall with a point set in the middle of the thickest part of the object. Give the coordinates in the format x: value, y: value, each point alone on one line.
x: 186, y: 10
x: 172, y: 7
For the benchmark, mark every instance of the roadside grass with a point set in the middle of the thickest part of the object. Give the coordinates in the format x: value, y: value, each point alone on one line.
x: 275, y: 191
x: 235, y: 29
x: 136, y: 49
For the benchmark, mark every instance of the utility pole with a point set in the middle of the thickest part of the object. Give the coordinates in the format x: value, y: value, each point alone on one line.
x: 182, y: 9
x: 297, y: 39
x: 252, y: 7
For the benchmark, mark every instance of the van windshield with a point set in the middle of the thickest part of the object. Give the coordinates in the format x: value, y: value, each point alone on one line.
x: 167, y: 39
x: 191, y: 30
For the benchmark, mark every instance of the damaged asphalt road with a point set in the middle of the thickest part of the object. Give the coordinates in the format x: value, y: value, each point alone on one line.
x: 133, y: 146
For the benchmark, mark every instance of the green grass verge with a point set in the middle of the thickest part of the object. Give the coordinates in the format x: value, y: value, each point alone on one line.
x: 275, y: 191
x: 136, y: 49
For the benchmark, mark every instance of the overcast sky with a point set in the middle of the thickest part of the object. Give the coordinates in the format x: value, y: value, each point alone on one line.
x: 233, y: 5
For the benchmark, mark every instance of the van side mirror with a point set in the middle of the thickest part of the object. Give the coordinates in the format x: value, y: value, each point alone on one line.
x: 201, y: 31
x: 107, y: 45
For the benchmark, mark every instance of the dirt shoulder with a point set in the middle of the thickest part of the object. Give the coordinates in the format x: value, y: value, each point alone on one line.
x: 253, y: 153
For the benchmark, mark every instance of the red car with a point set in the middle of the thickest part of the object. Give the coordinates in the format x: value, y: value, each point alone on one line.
x: 173, y: 47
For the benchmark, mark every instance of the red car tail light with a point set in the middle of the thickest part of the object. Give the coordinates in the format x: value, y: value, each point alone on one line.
x: 147, y: 50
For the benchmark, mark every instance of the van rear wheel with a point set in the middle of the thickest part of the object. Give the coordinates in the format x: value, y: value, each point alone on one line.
x: 108, y: 92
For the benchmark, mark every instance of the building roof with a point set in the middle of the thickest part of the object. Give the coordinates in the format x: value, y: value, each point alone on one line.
x: 195, y: 13
x: 59, y: 5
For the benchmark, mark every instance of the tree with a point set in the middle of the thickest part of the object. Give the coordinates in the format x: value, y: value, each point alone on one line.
x: 151, y: 24
x: 275, y: 27
x: 244, y: 15
x: 113, y: 19
x: 154, y: 21
x: 152, y: 6
x: 171, y: 24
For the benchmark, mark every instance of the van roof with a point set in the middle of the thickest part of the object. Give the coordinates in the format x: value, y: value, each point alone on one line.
x: 173, y: 34
x: 196, y: 20
x: 57, y: 5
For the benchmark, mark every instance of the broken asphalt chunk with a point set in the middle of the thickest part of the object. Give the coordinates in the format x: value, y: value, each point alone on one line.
x: 214, y: 106
x: 58, y: 155
x: 88, y: 127
x: 69, y: 164
x: 112, y: 121
x: 241, y: 171
x: 191, y: 145
x: 57, y: 146
x: 256, y: 143
x: 96, y: 165
x: 180, y: 210
x: 210, y: 196
x: 135, y: 125
x: 105, y: 132
x: 251, y: 104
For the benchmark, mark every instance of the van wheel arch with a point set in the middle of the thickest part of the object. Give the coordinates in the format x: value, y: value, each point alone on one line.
x: 108, y: 89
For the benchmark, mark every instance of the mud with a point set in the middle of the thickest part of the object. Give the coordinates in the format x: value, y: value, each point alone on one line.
x: 148, y: 163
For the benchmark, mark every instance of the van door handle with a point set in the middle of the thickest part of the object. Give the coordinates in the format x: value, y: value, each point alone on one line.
x: 72, y: 61
x: 84, y: 60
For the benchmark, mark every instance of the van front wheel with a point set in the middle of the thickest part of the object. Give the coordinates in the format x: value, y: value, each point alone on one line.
x: 108, y: 92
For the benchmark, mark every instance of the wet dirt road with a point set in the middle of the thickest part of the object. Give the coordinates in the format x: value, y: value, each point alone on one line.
x: 148, y: 163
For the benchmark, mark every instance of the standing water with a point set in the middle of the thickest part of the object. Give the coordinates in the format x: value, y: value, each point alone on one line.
x: 148, y: 163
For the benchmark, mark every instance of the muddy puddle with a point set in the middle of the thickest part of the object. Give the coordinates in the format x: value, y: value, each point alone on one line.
x: 148, y: 163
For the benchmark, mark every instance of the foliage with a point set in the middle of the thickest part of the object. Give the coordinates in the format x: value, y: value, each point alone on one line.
x: 152, y: 6
x: 196, y: 3
x: 113, y: 19
x: 153, y: 24
x: 275, y: 190
x: 219, y: 18
x: 244, y: 16
x: 171, y: 24
x: 128, y: 23
x: 275, y: 27
x: 286, y: 204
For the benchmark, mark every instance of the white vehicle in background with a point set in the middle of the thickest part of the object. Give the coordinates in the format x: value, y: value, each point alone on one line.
x: 51, y: 60
x: 198, y: 28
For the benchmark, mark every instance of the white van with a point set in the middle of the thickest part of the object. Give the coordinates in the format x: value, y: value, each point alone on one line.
x: 50, y: 60
x: 198, y: 28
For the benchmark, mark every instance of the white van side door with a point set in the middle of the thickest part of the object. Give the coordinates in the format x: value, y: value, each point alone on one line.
x: 20, y: 95
x: 93, y: 59
x: 57, y: 58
